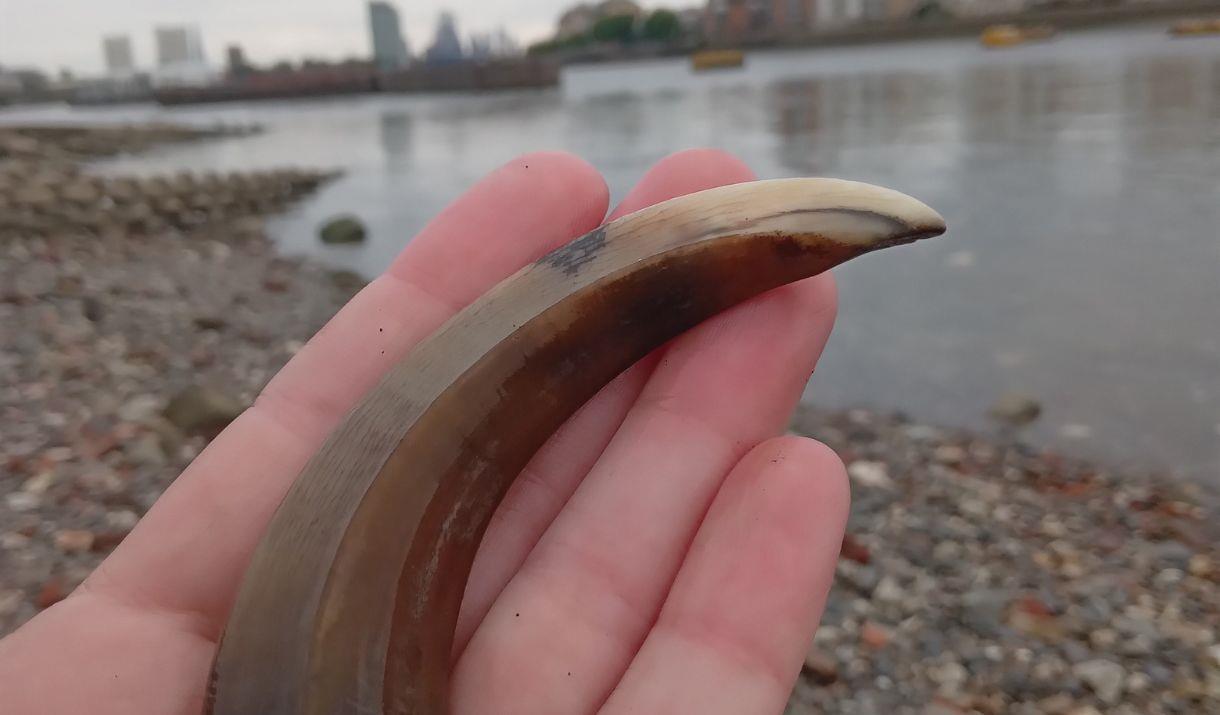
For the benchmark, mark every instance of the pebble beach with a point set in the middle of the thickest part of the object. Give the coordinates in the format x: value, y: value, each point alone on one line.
x: 979, y: 575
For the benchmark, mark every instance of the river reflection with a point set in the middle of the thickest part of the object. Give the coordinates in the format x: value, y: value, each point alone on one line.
x: 1080, y: 179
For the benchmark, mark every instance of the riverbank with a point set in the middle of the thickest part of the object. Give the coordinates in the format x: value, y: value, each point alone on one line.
x: 979, y: 575
x: 883, y: 32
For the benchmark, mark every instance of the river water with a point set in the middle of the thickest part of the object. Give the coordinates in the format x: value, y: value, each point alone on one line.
x: 1080, y: 179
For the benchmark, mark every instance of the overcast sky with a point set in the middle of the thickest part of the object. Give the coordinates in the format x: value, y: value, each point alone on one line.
x: 68, y: 33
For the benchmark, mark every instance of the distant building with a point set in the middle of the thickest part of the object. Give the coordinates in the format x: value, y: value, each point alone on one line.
x: 903, y: 9
x: 236, y: 64
x: 503, y: 44
x: 11, y: 88
x: 117, y: 51
x: 178, y: 46
x: 836, y: 13
x: 492, y: 44
x: 576, y: 21
x: 446, y: 47
x: 976, y: 8
x: 389, y: 47
x: 737, y: 20
x: 691, y: 20
x: 180, y: 59
x: 579, y: 19
x: 611, y: 8
x: 793, y: 17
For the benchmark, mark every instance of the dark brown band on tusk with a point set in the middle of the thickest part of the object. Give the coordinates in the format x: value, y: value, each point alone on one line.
x: 350, y: 602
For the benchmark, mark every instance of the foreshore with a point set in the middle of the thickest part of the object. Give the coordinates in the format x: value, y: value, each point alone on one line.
x: 979, y: 575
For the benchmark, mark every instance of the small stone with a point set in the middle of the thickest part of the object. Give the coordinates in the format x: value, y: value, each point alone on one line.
x: 36, y: 197
x: 1033, y: 606
x: 890, y: 591
x: 871, y: 474
x: 202, y: 410
x: 853, y: 550
x: 983, y: 610
x: 1168, y: 578
x: 1057, y: 704
x: 1015, y: 409
x: 80, y: 192
x: 1105, y: 678
x: 1047, y: 628
x: 92, y: 309
x: 875, y: 636
x: 820, y: 667
x: 949, y: 676
x: 250, y: 228
x: 106, y: 541
x: 141, y: 408
x: 342, y: 229
x: 947, y: 552
x: 1200, y: 565
x: 863, y: 579
x: 276, y: 284
x: 10, y: 601
x: 1172, y: 553
x: 1076, y: 431
x: 39, y: 483
x: 74, y: 541
x: 52, y: 592
x: 1103, y: 638
x: 1138, y: 683
x: 23, y: 501
x: 949, y: 454
x: 1084, y: 710
x: 923, y: 433
x: 1213, y: 653
x: 1075, y: 651
x: 145, y: 451
x: 210, y: 322
x: 13, y: 541
x: 122, y: 519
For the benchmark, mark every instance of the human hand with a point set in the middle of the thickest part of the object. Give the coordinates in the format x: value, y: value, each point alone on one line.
x: 662, y: 553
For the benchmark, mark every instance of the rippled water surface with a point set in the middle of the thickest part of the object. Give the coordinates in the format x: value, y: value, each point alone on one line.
x: 1080, y: 179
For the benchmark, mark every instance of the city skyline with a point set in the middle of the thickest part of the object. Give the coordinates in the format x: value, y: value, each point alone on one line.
x: 54, y: 34
x: 389, y: 47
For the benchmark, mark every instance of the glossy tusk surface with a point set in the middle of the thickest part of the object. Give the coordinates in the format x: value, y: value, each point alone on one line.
x: 350, y: 602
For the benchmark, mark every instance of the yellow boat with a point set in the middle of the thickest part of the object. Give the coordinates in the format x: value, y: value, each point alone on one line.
x: 1011, y: 35
x: 717, y: 59
x: 1195, y: 27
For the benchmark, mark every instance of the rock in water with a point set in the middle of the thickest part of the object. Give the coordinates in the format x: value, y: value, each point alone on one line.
x: 342, y: 229
x: 202, y: 410
x: 1015, y: 409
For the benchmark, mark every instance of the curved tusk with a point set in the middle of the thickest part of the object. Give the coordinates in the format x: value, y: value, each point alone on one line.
x: 350, y: 601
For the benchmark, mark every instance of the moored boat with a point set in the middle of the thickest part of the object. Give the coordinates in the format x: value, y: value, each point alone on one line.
x: 1195, y: 27
x: 717, y: 59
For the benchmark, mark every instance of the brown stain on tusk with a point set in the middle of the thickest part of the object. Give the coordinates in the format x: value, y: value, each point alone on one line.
x: 350, y: 601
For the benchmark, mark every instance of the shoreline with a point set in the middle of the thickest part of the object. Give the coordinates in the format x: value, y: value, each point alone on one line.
x: 888, y: 33
x: 978, y: 575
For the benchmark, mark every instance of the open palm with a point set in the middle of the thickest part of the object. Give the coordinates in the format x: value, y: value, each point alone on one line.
x: 665, y: 552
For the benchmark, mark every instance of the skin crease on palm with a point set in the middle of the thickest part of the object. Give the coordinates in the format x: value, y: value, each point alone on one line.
x: 665, y: 552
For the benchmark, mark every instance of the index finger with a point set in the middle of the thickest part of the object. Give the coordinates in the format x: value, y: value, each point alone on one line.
x: 226, y: 497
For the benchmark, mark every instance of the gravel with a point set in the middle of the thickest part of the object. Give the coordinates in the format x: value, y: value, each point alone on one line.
x: 1007, y: 579
x: 978, y: 575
